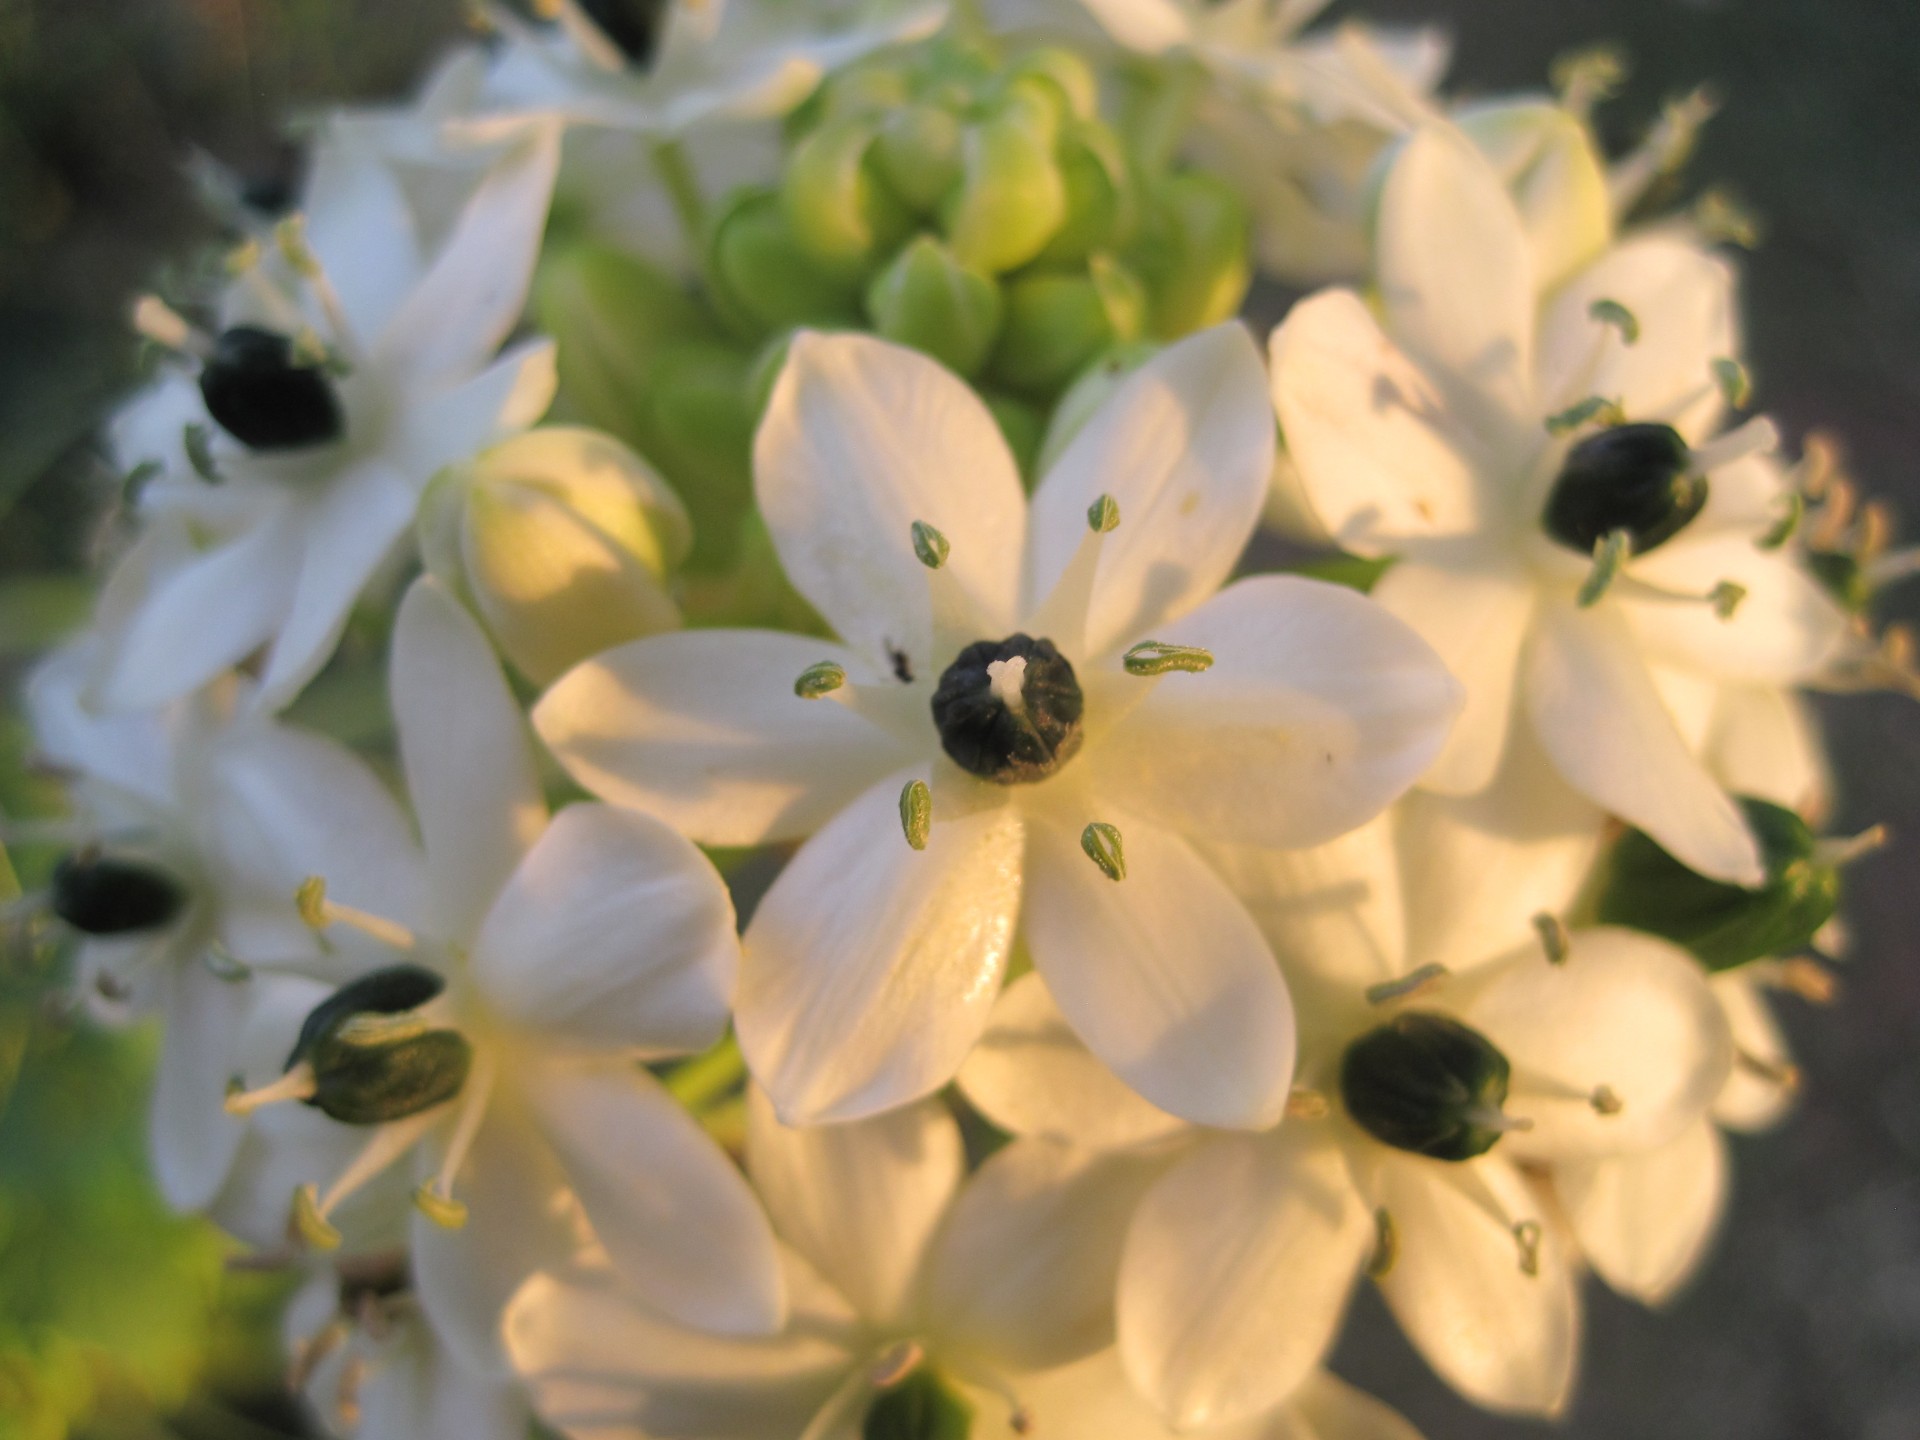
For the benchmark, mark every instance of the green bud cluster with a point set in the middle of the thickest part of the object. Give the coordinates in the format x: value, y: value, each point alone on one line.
x: 1645, y: 888
x: 979, y: 209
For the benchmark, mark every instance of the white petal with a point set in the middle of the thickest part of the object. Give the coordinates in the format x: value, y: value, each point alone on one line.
x: 345, y: 537
x: 127, y: 749
x: 1765, y: 741
x: 194, y: 1139
x: 206, y: 616
x: 464, y: 747
x: 1334, y: 1410
x: 614, y: 930
x: 1643, y: 1221
x: 1163, y: 974
x: 1185, y: 446
x: 1237, y: 1272
x: 1031, y: 1075
x: 450, y: 426
x: 870, y: 967
x: 1149, y: 26
x: 599, y: 1366
x: 414, y: 1390
x: 474, y: 289
x: 1784, y: 631
x: 1683, y: 299
x: 863, y: 1201
x: 1478, y: 868
x: 1756, y: 1095
x: 1599, y: 717
x: 674, y: 1214
x: 1475, y: 618
x: 1025, y: 1269
x: 1382, y: 465
x: 862, y: 438
x: 1544, y: 154
x: 1503, y: 1338
x: 1457, y: 282
x: 360, y: 229
x: 703, y: 729
x: 518, y: 1222
x: 1624, y: 1010
x: 1318, y: 711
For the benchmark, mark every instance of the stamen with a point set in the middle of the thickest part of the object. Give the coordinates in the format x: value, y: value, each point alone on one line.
x: 1527, y: 1235
x: 930, y: 545
x: 1795, y: 510
x: 820, y: 680
x: 308, y: 1353
x: 291, y: 236
x: 1844, y: 850
x: 1103, y: 515
x: 1808, y: 979
x: 197, y: 440
x: 1609, y: 555
x: 1586, y: 77
x: 159, y: 322
x: 473, y: 1110
x: 1488, y: 1118
x: 1412, y: 983
x: 1736, y: 387
x: 896, y: 1363
x: 1725, y: 599
x: 1612, y: 312
x: 1008, y: 681
x: 309, y: 1224
x: 1152, y: 657
x: 1759, y: 436
x: 1664, y: 149
x: 1774, y: 1072
x: 388, y: 1143
x: 1306, y: 1104
x: 1606, y: 1100
x: 298, y: 1083
x: 916, y: 813
x: 443, y: 1210
x: 1386, y: 1245
x: 222, y: 964
x: 1554, y: 938
x: 317, y: 912
x: 1594, y: 407
x: 1101, y: 842
x: 1723, y: 220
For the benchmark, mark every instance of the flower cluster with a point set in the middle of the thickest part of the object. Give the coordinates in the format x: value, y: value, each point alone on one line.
x: 1145, y: 944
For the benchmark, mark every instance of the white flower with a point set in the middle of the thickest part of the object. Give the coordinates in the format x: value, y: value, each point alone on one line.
x: 1432, y: 446
x: 204, y: 824
x: 301, y: 511
x: 568, y: 950
x: 872, y: 963
x: 1239, y: 1262
x: 904, y: 1272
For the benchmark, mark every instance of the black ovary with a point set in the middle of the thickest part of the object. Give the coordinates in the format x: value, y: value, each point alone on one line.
x: 1634, y: 478
x: 100, y: 895
x: 1418, y: 1082
x: 262, y: 397
x: 985, y: 738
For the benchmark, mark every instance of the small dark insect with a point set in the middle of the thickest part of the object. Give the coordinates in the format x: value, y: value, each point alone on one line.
x: 902, y: 666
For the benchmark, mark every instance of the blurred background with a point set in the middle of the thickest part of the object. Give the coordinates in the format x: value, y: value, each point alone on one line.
x: 117, y: 1320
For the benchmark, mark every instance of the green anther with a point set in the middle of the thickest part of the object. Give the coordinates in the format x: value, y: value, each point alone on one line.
x: 1612, y: 312
x: 223, y: 964
x: 1103, y: 515
x: 818, y: 680
x: 1527, y: 1236
x: 443, y: 1210
x: 1721, y: 219
x: 310, y: 899
x: 1152, y: 657
x: 1412, y: 983
x: 291, y: 236
x: 1609, y: 554
x: 1386, y: 1245
x: 1554, y: 938
x: 916, y: 813
x: 1789, y: 522
x: 1101, y: 841
x: 1736, y: 386
x: 930, y: 545
x: 197, y: 441
x: 1726, y: 597
x: 310, y: 1223
x: 1594, y: 407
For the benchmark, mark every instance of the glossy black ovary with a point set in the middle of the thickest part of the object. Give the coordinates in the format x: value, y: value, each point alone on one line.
x: 1636, y: 478
x: 1426, y: 1083
x: 264, y: 397
x: 104, y: 895
x: 633, y: 26
x: 986, y: 737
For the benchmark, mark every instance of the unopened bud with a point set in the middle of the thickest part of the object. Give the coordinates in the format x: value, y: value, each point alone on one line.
x: 1011, y: 199
x: 761, y: 270
x: 840, y: 211
x: 929, y: 300
x: 1193, y: 252
x: 1059, y: 323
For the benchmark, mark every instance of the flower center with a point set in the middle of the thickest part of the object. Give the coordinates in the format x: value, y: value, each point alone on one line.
x: 1009, y: 710
x: 265, y: 396
x: 920, y: 1407
x: 632, y: 25
x: 99, y: 895
x: 1426, y: 1083
x: 1636, y: 478
x: 372, y: 1057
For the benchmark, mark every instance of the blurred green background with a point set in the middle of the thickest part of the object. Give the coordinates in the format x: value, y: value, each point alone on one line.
x: 117, y: 1321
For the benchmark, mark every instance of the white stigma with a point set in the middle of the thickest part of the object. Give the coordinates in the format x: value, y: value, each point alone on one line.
x: 1008, y: 679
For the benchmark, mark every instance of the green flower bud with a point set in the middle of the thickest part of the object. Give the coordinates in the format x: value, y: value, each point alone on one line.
x: 104, y: 895
x: 372, y: 1059
x: 1099, y: 195
x: 1058, y: 324
x: 1723, y: 925
x: 928, y: 300
x: 1193, y: 252
x: 1023, y: 425
x: 1428, y: 1084
x: 562, y: 540
x: 763, y: 272
x: 917, y: 154
x: 920, y: 1407
x: 840, y: 212
x: 1068, y: 72
x: 1011, y: 199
